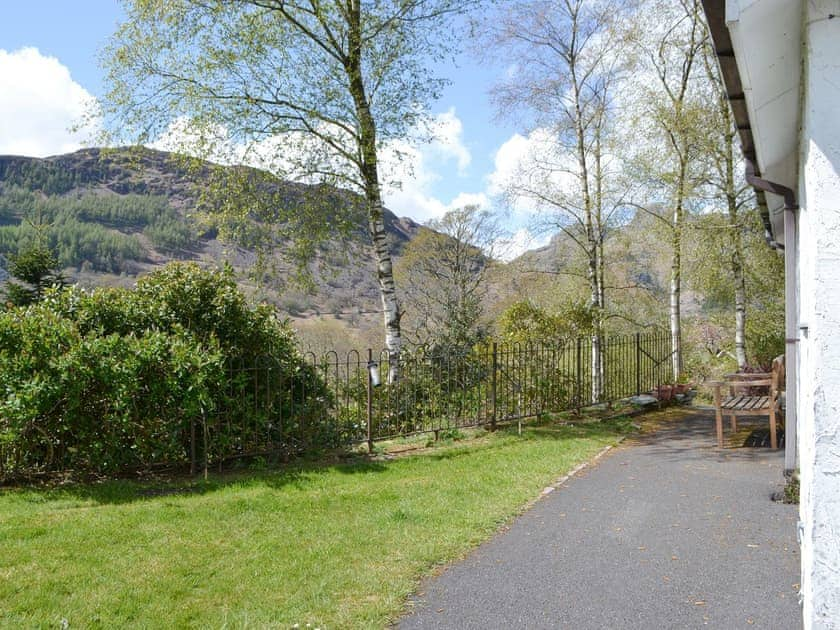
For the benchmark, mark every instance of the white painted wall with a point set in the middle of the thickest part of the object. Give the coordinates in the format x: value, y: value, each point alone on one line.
x: 819, y: 290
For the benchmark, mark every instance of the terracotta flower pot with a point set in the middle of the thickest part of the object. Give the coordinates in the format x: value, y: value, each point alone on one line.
x: 663, y: 392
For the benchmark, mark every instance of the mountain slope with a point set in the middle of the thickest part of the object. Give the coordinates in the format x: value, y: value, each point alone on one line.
x: 112, y: 214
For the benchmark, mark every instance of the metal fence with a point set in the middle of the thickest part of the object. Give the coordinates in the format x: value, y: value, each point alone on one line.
x: 435, y: 391
x: 284, y: 405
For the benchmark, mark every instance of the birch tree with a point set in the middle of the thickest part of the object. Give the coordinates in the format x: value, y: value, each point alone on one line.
x: 566, y: 62
x: 313, y: 88
x: 670, y: 46
x: 443, y: 272
x: 732, y: 266
x: 725, y: 179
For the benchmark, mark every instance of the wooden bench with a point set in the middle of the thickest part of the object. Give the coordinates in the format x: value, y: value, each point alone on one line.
x: 739, y: 403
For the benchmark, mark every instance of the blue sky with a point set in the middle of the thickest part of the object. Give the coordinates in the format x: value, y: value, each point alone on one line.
x: 39, y: 90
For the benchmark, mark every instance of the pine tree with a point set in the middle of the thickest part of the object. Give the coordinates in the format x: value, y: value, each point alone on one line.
x: 37, y: 268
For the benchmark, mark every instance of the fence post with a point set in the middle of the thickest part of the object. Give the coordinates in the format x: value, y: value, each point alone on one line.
x: 205, y: 432
x: 638, y: 365
x: 192, y: 447
x: 579, y: 379
x: 493, y: 386
x: 369, y: 403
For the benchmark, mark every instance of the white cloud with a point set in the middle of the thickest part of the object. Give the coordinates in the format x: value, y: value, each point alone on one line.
x: 411, y: 169
x: 470, y: 199
x: 39, y: 102
x: 447, y: 132
x: 211, y: 142
x: 507, y: 161
x: 409, y: 194
x: 524, y: 164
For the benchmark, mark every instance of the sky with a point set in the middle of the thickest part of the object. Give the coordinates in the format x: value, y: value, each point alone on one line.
x: 49, y: 72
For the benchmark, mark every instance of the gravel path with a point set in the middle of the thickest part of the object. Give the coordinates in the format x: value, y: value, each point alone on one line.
x: 662, y: 532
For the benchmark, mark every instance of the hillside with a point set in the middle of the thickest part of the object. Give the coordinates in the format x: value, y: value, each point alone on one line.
x: 637, y: 275
x: 113, y: 214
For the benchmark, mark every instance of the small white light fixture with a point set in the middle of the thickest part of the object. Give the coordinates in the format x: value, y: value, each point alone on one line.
x: 373, y: 373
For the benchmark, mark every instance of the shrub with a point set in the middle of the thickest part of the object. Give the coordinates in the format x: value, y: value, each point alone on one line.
x: 765, y: 334
x: 115, y: 379
x: 525, y: 322
x: 98, y: 403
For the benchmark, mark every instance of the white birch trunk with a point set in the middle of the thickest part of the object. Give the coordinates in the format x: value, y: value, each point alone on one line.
x: 387, y: 290
x: 368, y: 165
x: 740, y: 316
x: 675, y: 293
x: 738, y: 278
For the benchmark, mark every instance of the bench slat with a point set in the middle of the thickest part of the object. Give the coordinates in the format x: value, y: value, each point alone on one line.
x: 730, y: 402
x: 746, y: 403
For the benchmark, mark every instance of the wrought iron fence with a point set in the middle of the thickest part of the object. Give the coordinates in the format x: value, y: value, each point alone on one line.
x: 338, y: 402
x: 282, y: 406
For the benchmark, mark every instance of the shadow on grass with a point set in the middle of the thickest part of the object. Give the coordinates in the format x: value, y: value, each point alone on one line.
x: 122, y: 491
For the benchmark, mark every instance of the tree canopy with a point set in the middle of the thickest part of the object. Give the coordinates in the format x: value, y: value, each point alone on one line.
x: 443, y: 274
x: 311, y: 90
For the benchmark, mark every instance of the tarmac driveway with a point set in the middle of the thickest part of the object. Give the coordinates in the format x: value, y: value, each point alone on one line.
x: 663, y: 532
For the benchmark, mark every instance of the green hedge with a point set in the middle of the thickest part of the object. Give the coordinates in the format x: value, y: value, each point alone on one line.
x: 182, y: 366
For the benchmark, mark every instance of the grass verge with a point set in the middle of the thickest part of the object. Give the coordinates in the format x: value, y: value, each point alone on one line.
x: 335, y: 546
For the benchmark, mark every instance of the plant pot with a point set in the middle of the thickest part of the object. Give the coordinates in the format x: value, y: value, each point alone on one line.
x: 664, y: 392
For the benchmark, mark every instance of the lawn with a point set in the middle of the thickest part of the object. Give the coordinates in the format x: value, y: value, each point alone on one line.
x: 331, y: 545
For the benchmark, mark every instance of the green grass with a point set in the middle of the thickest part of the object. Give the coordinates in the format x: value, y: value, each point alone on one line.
x: 336, y: 546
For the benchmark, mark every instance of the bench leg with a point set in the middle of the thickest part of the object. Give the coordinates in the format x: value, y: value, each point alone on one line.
x: 733, y: 424
x: 773, y: 443
x: 719, y: 427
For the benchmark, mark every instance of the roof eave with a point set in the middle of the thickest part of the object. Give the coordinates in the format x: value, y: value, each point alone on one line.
x: 763, y: 89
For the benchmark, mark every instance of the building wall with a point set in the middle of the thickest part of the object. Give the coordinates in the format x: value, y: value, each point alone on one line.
x: 819, y: 280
